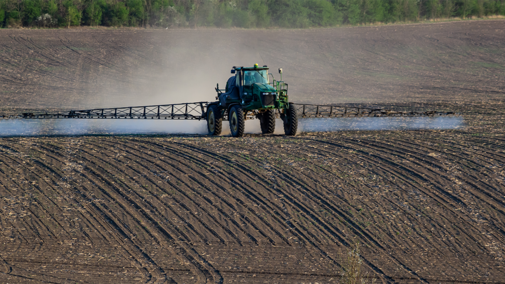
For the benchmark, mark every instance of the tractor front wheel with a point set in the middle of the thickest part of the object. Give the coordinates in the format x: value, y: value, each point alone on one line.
x: 267, y: 122
x: 237, y: 121
x: 214, y: 120
x: 290, y: 120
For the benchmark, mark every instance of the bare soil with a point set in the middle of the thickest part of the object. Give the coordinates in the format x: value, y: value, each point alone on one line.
x: 425, y: 206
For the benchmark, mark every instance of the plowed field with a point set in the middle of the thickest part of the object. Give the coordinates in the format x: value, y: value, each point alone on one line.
x: 425, y: 206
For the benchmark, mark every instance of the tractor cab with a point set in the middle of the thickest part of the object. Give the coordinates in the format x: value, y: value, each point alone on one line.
x: 249, y: 86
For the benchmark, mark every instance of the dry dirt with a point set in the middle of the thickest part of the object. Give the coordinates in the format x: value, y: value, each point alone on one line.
x: 425, y: 206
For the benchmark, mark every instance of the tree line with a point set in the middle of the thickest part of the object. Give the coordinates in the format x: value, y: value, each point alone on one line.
x: 235, y: 13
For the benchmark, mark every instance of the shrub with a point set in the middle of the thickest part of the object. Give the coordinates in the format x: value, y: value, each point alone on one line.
x: 46, y: 20
x: 353, y: 268
x: 13, y: 19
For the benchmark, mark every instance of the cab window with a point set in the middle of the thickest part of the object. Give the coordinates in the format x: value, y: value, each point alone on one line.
x: 256, y: 76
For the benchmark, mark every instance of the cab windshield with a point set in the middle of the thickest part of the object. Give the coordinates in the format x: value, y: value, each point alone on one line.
x: 256, y: 76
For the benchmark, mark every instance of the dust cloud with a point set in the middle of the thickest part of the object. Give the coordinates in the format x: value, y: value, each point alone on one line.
x: 181, y: 67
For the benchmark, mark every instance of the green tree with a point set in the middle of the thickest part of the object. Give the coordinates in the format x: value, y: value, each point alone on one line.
x: 136, y: 12
x: 2, y: 17
x: 242, y: 19
x: 32, y: 9
x: 73, y: 14
x: 259, y: 11
x: 410, y: 10
x: 116, y: 15
x: 289, y: 13
x: 353, y: 12
x: 224, y: 15
x: 447, y: 8
x: 322, y: 13
x: 51, y: 8
x: 93, y: 13
x: 160, y: 13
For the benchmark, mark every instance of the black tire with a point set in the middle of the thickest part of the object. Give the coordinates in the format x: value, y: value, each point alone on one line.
x: 267, y: 122
x: 290, y: 121
x: 237, y: 121
x: 214, y: 120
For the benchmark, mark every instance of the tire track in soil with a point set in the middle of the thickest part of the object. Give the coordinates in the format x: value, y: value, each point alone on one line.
x: 316, y: 217
x: 491, y: 156
x: 432, y: 173
x: 470, y: 179
x: 265, y: 201
x: 135, y: 149
x: 52, y: 61
x: 17, y: 270
x: 463, y: 177
x: 177, y: 166
x: 378, y: 172
x: 192, y: 200
x: 179, y: 202
x: 43, y: 167
x: 477, y: 231
x: 197, y: 160
x: 185, y: 157
x: 419, y: 180
x: 477, y: 182
x: 101, y: 217
x: 417, y: 243
x: 345, y: 201
x: 61, y: 176
x: 310, y: 213
x: 50, y: 201
x: 330, y: 153
x: 66, y: 42
x: 145, y: 218
x: 26, y: 42
x: 141, y: 256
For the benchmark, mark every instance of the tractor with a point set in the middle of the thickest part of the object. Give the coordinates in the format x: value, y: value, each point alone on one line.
x: 251, y: 93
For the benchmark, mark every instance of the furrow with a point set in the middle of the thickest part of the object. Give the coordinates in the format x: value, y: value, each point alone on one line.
x: 212, y: 191
x: 132, y: 203
x: 182, y: 203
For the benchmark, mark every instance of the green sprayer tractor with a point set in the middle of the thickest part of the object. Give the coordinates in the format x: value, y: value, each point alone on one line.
x: 252, y: 93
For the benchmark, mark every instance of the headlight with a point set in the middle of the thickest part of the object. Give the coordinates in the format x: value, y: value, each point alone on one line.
x: 264, y: 94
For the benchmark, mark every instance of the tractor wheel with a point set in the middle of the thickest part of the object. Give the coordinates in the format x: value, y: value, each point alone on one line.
x: 237, y: 122
x: 290, y: 121
x: 214, y: 120
x: 267, y: 122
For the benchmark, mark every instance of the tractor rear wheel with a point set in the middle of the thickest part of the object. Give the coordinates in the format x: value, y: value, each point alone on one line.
x: 237, y: 121
x: 267, y: 122
x: 214, y: 120
x: 290, y: 120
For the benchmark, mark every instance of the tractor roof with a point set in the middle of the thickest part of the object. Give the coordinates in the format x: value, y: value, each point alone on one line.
x: 255, y: 67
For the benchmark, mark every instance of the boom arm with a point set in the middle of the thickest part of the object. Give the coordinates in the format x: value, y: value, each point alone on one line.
x: 198, y: 110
